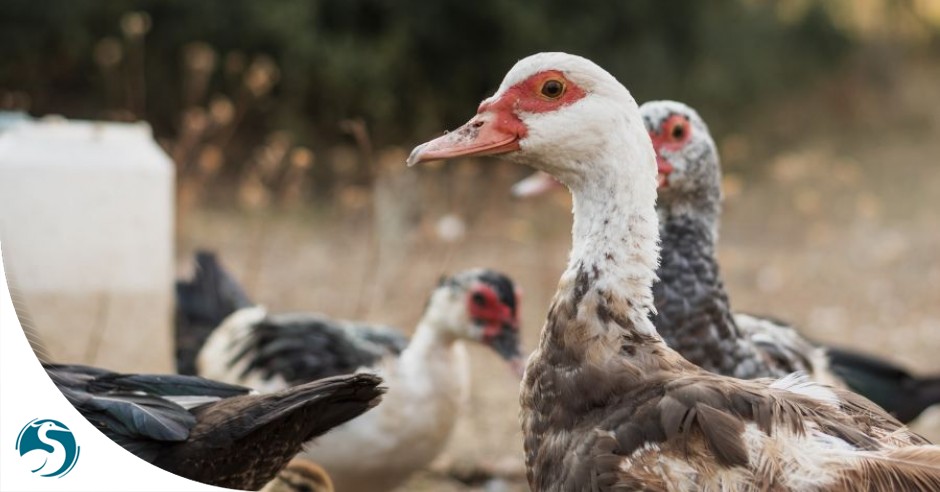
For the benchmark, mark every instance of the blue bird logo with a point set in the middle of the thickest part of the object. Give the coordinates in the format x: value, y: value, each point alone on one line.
x: 48, y: 447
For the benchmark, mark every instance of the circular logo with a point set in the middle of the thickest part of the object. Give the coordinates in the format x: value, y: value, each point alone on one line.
x: 48, y: 447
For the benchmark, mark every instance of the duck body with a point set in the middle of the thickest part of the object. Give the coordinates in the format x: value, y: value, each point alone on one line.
x: 201, y: 304
x: 427, y: 376
x: 426, y: 396
x: 672, y: 426
x: 207, y: 431
x: 693, y: 312
x: 606, y: 404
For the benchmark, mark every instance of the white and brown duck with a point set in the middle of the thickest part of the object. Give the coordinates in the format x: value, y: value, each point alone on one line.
x: 606, y: 404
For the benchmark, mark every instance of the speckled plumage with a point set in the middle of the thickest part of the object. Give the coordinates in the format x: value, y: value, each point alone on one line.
x: 694, y: 313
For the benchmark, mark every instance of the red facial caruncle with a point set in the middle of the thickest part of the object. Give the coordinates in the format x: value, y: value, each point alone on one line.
x: 540, y: 93
x: 485, y: 307
x: 673, y: 134
x: 497, y: 127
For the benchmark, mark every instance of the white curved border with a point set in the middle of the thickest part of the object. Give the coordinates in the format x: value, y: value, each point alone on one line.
x: 26, y: 393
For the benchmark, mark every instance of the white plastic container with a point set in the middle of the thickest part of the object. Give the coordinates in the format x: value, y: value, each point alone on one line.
x: 86, y: 221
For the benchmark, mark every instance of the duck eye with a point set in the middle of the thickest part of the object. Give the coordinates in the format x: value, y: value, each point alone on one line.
x: 678, y: 131
x: 478, y: 299
x: 553, y: 89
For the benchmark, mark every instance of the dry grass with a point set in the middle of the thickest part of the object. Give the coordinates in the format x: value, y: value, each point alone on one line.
x: 836, y: 233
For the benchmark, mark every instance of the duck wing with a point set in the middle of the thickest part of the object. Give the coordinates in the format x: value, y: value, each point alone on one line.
x: 305, y: 347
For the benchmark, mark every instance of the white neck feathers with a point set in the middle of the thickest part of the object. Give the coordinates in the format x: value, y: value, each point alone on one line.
x: 616, y: 229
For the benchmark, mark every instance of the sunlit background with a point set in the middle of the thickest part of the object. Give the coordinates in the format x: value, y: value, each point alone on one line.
x: 289, y: 122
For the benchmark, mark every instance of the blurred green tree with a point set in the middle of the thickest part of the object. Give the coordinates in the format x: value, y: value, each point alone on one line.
x: 407, y: 67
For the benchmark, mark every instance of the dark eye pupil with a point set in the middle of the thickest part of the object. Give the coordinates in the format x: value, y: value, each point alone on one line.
x: 552, y: 88
x: 678, y: 131
x: 478, y: 299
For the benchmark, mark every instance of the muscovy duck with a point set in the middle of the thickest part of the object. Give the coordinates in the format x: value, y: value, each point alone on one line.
x: 606, y: 404
x: 201, y: 305
x: 693, y: 313
x: 427, y: 376
x: 212, y: 432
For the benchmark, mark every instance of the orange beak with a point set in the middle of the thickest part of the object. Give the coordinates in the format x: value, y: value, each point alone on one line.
x: 488, y: 133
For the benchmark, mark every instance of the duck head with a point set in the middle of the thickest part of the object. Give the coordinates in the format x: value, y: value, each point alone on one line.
x: 479, y: 305
x: 559, y: 113
x: 686, y: 156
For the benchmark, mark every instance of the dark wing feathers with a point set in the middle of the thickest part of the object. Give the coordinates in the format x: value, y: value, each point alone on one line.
x: 327, y: 403
x: 133, y: 409
x: 890, y: 386
x: 302, y: 347
x: 166, y: 385
x: 722, y: 433
x: 244, y: 441
x: 692, y: 411
x: 132, y: 406
x: 239, y: 441
x: 142, y: 416
x: 72, y: 374
x: 201, y: 305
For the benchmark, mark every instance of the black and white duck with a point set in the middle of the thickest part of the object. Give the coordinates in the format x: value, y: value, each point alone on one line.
x: 427, y: 376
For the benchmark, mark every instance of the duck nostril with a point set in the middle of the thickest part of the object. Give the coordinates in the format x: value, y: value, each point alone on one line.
x: 478, y: 123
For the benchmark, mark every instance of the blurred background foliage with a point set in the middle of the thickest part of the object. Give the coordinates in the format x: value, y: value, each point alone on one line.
x: 225, y: 81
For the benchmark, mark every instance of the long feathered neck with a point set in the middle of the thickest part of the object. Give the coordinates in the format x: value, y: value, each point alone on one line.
x: 702, y: 204
x: 430, y: 339
x: 600, y: 314
x: 688, y: 275
x: 693, y: 312
x: 614, y: 242
x: 433, y: 365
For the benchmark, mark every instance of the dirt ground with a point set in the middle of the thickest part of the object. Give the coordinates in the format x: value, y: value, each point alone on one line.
x: 831, y: 223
